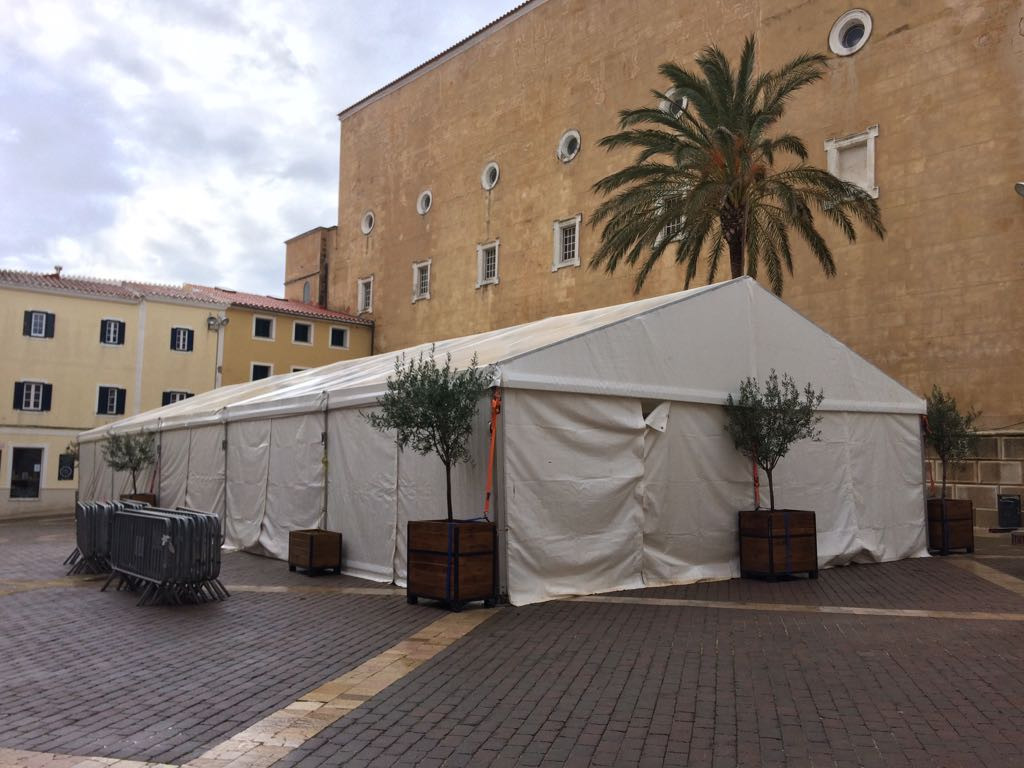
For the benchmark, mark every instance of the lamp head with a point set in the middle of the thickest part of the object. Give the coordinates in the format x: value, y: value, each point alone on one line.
x: 1019, y: 186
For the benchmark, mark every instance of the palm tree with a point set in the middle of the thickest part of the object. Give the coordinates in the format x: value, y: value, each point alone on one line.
x: 705, y: 177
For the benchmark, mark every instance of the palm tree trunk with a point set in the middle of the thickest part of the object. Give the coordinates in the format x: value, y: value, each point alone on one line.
x: 736, y: 255
x: 732, y: 230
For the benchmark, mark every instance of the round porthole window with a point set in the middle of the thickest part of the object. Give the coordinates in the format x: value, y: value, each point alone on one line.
x: 424, y: 201
x: 367, y: 222
x: 569, y: 146
x: 850, y: 32
x: 489, y: 176
x: 673, y: 103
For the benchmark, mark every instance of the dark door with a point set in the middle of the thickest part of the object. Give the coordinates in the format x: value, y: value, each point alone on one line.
x: 26, y: 467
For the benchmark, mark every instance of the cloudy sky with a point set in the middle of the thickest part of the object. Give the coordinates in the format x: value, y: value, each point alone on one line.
x: 183, y: 140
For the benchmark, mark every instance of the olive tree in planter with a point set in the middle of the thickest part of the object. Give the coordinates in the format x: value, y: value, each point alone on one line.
x: 764, y: 424
x: 431, y: 409
x: 952, y: 436
x: 133, y: 454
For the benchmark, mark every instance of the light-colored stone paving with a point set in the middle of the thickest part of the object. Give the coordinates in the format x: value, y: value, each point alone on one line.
x: 263, y: 743
x: 14, y: 758
x: 799, y: 608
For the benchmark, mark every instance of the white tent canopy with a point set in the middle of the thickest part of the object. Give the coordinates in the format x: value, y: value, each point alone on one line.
x: 613, y: 469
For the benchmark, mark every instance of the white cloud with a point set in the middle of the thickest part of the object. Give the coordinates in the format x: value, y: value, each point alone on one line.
x: 185, y: 142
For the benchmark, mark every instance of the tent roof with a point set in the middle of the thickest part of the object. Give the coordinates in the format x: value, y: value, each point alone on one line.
x: 694, y: 346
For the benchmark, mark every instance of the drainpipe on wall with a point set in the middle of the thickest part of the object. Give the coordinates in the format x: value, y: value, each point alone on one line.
x: 219, y: 368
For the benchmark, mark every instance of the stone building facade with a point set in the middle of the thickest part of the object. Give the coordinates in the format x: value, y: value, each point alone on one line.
x: 924, y: 109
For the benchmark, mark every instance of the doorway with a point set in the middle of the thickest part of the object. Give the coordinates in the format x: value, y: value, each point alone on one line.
x: 26, y: 469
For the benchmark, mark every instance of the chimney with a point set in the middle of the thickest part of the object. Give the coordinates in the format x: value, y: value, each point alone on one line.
x: 57, y: 270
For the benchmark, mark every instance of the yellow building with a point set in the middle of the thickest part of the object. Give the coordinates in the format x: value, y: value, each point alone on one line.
x: 459, y: 180
x: 83, y: 352
x: 265, y: 336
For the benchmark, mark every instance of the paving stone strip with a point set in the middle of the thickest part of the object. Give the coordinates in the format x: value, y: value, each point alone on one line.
x: 799, y: 608
x: 264, y: 743
x: 1004, y: 580
x: 14, y: 758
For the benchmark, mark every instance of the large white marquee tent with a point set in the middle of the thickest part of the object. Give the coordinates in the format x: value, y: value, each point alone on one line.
x: 613, y: 469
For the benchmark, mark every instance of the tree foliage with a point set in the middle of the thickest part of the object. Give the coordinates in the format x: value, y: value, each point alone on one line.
x: 950, y: 433
x: 765, y: 424
x: 709, y: 171
x: 431, y: 408
x: 130, y: 453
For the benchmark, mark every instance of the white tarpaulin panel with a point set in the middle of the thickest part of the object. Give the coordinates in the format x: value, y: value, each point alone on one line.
x: 573, y: 465
x: 694, y: 483
x: 296, y: 480
x: 205, y: 487
x: 173, y: 472
x: 247, y: 463
x: 887, y: 486
x: 88, y: 470
x: 362, y: 494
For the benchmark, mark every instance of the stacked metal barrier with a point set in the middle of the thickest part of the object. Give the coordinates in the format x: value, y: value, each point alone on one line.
x: 172, y: 556
x: 93, y: 521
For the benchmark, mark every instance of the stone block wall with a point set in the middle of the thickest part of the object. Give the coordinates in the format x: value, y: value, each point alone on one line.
x: 997, y: 469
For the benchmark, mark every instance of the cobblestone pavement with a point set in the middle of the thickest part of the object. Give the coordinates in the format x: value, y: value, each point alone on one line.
x: 917, y: 663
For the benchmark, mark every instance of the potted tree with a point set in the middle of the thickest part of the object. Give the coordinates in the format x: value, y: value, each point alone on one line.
x: 952, y: 436
x: 763, y: 426
x: 431, y: 408
x: 131, y: 453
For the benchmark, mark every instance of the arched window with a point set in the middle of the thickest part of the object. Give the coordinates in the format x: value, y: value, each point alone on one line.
x: 307, y: 292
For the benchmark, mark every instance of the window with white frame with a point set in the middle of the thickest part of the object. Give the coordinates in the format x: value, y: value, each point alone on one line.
x: 420, y: 281
x: 261, y: 371
x: 674, y: 229
x: 339, y: 338
x: 175, y: 396
x: 182, y: 339
x: 263, y: 327
x: 567, y: 243
x: 111, y: 400
x: 852, y: 158
x: 487, y: 263
x: 32, y: 396
x: 38, y: 324
x: 112, y: 332
x: 302, y: 333
x: 364, y: 287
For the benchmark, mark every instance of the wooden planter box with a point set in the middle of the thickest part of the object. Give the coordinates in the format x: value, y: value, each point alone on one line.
x: 145, y: 498
x: 779, y: 543
x: 314, y: 550
x: 956, y: 531
x: 452, y: 561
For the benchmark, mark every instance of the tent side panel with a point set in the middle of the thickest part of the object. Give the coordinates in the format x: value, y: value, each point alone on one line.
x: 88, y: 470
x: 361, y: 494
x: 694, y: 483
x: 205, y: 487
x: 248, y: 459
x: 573, y: 468
x: 887, y: 470
x: 296, y: 480
x: 174, y: 453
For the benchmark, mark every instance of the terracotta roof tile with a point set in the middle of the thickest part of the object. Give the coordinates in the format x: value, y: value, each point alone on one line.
x: 273, y: 304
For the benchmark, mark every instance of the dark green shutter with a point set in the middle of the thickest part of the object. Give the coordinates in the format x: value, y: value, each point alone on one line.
x: 172, y: 337
x: 19, y: 395
x: 120, y: 332
x: 26, y: 329
x: 189, y: 339
x: 120, y: 400
x: 101, y: 401
x: 103, y: 331
x: 165, y: 398
x: 51, y: 322
x: 47, y: 396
